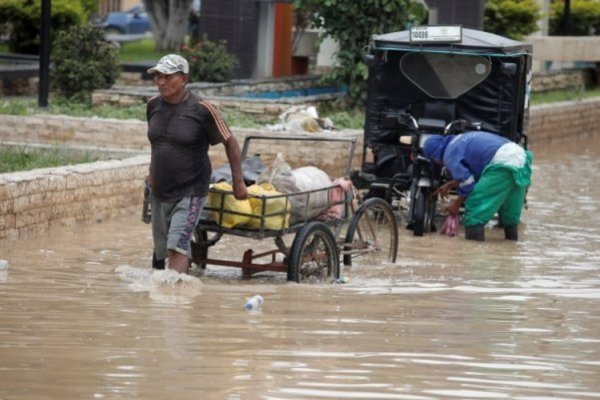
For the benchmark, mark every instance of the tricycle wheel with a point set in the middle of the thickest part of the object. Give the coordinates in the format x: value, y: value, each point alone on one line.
x: 372, y: 234
x: 424, y: 214
x: 419, y: 216
x: 314, y: 255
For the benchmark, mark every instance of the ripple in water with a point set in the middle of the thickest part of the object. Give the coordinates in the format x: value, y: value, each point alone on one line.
x: 166, y: 286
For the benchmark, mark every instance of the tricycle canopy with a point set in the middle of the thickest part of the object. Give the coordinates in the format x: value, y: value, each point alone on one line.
x: 480, y: 77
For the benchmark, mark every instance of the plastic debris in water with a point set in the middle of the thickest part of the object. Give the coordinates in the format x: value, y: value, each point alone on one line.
x: 254, y: 302
x: 3, y: 265
x: 342, y: 280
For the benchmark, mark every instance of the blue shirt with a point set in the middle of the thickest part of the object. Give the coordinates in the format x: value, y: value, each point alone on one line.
x: 467, y: 155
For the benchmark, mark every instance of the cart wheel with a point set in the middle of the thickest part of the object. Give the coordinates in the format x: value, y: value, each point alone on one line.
x: 199, y: 247
x: 201, y: 241
x: 314, y: 254
x: 372, y: 234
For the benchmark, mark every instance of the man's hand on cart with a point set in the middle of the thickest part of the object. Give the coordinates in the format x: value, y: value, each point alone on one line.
x: 240, y: 191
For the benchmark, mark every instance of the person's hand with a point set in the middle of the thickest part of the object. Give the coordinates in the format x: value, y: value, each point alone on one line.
x: 445, y: 189
x: 454, y: 206
x: 240, y: 191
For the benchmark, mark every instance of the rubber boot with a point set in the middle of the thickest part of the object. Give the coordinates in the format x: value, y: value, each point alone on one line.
x: 157, y: 264
x: 475, y: 232
x: 511, y: 232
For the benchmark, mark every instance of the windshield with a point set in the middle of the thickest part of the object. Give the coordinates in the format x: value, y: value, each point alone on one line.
x: 445, y: 76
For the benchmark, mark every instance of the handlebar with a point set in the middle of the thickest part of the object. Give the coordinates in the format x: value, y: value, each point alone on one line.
x: 461, y: 125
x: 408, y: 121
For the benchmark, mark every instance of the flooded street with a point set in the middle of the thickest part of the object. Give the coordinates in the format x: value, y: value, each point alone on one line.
x: 82, y: 315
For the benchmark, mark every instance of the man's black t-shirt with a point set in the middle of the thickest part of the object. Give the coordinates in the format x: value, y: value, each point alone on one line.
x: 179, y: 135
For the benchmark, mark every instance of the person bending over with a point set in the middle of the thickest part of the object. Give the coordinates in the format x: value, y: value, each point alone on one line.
x: 491, y: 175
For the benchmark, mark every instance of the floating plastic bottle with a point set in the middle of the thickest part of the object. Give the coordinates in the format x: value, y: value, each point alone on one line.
x: 254, y: 302
x: 342, y: 280
x: 3, y: 265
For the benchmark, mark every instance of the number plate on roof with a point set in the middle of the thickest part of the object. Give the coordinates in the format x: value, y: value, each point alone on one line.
x: 436, y: 34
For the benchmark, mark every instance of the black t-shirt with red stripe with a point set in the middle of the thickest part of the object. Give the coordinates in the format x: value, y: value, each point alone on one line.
x: 180, y: 135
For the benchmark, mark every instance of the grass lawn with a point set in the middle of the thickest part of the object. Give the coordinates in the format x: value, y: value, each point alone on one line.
x: 23, y: 159
x: 563, y: 95
x: 141, y: 50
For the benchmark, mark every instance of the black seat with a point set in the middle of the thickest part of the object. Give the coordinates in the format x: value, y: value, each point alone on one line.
x: 437, y: 114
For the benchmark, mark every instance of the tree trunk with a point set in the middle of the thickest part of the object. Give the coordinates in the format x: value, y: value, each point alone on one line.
x: 169, y: 22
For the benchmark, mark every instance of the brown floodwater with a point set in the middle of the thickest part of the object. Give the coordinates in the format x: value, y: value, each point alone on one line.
x: 82, y: 315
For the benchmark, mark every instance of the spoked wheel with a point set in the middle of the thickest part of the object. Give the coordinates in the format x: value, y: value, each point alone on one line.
x: 372, y: 234
x: 200, y: 243
x: 314, y: 255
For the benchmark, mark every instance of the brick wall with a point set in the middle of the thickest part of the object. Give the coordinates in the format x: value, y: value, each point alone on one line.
x: 547, y: 122
x: 33, y: 201
x: 564, y: 120
x: 37, y: 200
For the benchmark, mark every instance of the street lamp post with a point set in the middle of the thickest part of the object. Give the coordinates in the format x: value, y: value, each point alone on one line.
x: 44, y: 82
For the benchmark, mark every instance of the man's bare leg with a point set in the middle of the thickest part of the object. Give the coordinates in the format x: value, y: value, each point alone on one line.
x: 179, y: 262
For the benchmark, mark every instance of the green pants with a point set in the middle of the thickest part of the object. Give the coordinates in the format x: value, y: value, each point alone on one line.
x: 501, y: 189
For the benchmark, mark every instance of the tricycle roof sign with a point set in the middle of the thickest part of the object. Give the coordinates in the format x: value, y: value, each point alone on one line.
x: 436, y: 34
x: 472, y: 41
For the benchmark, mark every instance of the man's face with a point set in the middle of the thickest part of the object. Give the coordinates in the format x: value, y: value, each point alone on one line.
x: 170, y: 85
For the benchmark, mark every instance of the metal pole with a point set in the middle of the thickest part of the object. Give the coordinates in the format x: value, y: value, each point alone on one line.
x: 44, y: 83
x: 566, y: 21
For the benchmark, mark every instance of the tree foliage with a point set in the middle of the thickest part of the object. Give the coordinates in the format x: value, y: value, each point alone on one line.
x: 352, y: 23
x: 511, y: 18
x: 170, y: 21
x: 209, y: 61
x: 83, y: 62
x: 21, y: 21
x: 584, y: 18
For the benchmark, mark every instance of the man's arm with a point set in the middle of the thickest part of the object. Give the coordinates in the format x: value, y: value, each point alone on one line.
x: 234, y: 157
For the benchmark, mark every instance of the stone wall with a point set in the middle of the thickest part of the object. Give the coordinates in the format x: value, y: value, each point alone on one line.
x: 36, y: 200
x: 33, y: 201
x: 71, y: 131
x: 565, y: 79
x: 547, y: 122
x: 262, y: 109
x: 563, y: 120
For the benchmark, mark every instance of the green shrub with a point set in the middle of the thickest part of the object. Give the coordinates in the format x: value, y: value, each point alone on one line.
x: 584, y: 18
x: 83, y: 62
x: 209, y: 61
x: 23, y: 21
x: 511, y: 18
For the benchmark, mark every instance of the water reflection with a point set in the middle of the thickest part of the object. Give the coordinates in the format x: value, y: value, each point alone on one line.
x: 83, y: 316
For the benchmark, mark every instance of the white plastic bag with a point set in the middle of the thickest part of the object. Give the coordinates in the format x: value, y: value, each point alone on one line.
x: 309, y: 205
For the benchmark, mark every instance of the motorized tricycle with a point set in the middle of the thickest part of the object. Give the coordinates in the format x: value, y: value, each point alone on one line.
x: 436, y: 80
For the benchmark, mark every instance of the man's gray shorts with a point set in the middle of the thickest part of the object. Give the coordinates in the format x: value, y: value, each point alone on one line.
x: 173, y: 224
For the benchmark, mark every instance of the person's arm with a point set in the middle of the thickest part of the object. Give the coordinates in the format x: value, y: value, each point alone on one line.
x: 445, y: 189
x: 234, y: 157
